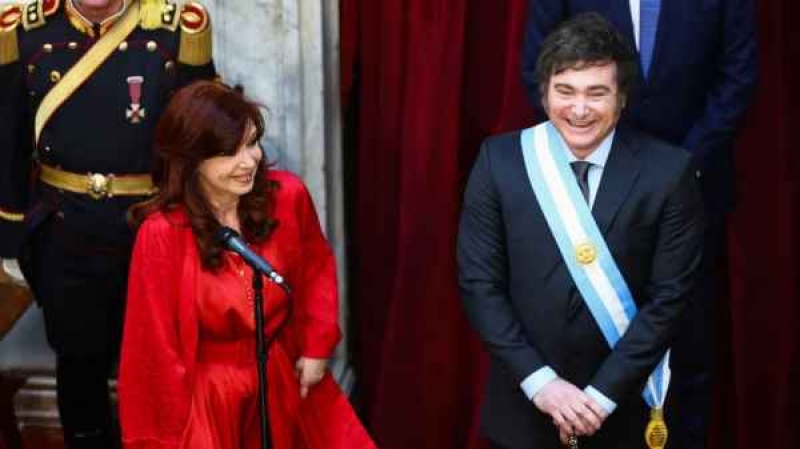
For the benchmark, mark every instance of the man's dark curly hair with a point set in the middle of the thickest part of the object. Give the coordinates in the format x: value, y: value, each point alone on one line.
x: 584, y: 41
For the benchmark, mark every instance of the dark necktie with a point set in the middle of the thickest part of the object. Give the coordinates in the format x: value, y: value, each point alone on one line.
x: 581, y: 170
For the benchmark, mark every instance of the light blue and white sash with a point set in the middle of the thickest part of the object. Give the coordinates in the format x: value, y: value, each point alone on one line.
x: 582, y: 245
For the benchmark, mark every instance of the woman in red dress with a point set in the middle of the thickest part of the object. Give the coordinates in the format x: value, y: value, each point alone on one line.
x: 188, y: 374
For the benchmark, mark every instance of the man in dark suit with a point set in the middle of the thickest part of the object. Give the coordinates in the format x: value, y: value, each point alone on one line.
x: 553, y: 373
x: 696, y: 75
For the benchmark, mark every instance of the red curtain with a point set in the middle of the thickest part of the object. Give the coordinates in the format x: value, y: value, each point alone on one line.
x: 424, y: 81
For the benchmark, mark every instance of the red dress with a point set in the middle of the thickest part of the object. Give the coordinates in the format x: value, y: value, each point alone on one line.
x: 188, y: 375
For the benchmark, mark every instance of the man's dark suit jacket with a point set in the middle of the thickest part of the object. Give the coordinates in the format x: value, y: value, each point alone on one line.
x: 701, y: 79
x: 521, y: 299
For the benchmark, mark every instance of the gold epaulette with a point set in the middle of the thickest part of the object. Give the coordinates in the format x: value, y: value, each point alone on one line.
x: 35, y: 13
x: 156, y: 14
x: 10, y: 17
x: 195, y: 45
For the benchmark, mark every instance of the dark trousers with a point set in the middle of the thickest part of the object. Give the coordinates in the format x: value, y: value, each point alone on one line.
x: 688, y: 406
x: 83, y: 402
x: 81, y: 287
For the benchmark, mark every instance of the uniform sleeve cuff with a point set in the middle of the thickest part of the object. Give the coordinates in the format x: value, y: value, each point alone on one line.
x: 607, y: 404
x: 533, y: 383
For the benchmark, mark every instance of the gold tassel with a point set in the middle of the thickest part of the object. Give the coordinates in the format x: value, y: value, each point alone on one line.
x: 150, y: 14
x: 195, y: 48
x: 9, y: 47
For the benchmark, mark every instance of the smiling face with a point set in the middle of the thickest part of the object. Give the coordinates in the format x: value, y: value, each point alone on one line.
x: 584, y: 104
x: 226, y: 178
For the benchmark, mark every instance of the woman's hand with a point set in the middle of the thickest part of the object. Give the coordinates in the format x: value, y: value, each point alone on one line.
x: 309, y: 371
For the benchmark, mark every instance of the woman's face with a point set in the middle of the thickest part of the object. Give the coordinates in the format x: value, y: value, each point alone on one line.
x: 225, y: 178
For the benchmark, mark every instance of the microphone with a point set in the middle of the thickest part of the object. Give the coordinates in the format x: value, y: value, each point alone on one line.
x: 233, y: 241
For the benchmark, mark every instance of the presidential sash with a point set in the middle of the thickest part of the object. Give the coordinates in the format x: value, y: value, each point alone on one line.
x: 587, y: 256
x: 85, y: 67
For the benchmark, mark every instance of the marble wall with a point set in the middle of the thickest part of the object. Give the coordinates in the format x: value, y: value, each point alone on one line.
x: 285, y: 55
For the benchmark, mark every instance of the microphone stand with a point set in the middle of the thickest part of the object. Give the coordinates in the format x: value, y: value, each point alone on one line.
x: 261, y: 356
x: 261, y: 348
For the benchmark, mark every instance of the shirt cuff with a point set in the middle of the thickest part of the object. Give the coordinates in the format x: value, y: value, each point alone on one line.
x: 533, y: 383
x: 601, y: 399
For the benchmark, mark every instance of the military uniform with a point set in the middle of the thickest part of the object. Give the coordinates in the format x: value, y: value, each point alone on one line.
x: 75, y: 153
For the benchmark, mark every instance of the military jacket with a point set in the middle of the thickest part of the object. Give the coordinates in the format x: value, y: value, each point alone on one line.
x: 107, y: 124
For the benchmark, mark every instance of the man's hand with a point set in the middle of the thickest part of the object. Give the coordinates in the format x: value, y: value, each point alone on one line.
x: 309, y: 372
x: 572, y: 410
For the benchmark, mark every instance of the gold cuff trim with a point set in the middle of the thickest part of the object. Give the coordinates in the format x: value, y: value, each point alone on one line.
x: 12, y: 216
x: 98, y: 185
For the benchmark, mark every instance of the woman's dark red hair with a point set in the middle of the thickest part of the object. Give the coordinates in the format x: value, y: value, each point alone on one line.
x: 203, y: 120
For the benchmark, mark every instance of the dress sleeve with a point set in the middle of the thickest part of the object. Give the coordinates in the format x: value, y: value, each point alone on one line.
x: 316, y: 295
x: 154, y: 393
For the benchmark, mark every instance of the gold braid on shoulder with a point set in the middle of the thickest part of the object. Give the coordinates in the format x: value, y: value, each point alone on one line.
x: 10, y: 18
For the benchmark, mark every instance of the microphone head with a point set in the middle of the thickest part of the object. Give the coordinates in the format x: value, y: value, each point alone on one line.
x: 224, y: 234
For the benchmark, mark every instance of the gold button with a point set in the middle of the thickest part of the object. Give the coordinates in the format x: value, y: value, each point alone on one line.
x: 55, y: 76
x: 72, y: 45
x: 47, y: 48
x: 31, y: 68
x: 123, y: 46
x: 166, y: 17
x: 32, y: 17
x: 152, y: 46
x: 169, y: 65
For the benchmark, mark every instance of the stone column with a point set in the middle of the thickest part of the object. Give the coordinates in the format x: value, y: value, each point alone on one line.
x: 285, y: 55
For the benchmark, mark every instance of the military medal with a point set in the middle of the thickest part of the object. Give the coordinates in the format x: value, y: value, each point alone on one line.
x: 655, y: 435
x: 135, y: 113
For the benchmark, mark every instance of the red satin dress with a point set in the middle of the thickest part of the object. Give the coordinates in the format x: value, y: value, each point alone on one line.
x: 225, y: 412
x: 188, y: 376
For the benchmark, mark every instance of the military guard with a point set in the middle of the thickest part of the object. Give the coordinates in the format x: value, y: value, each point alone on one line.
x: 82, y: 85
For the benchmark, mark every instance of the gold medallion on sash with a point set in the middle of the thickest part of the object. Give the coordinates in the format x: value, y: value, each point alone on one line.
x: 586, y: 253
x: 655, y: 435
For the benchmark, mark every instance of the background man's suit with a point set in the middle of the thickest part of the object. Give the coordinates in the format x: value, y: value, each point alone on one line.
x: 699, y: 84
x: 522, y: 301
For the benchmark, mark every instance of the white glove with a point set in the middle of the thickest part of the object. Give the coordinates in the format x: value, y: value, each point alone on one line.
x: 11, y: 267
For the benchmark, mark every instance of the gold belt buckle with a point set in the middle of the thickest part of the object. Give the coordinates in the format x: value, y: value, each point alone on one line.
x: 99, y: 185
